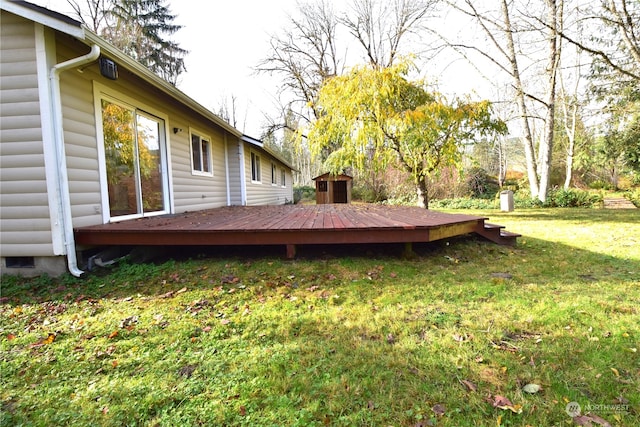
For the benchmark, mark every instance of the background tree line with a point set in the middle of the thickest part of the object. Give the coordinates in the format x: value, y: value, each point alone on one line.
x: 564, y: 78
x: 359, y: 90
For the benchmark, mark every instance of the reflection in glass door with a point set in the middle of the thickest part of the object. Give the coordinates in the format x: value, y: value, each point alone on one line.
x: 133, y: 154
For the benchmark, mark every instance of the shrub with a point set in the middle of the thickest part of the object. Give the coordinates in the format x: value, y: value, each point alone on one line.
x: 405, y: 199
x: 572, y: 198
x: 366, y: 194
x: 304, y: 192
x: 478, y: 183
x: 463, y: 203
x: 601, y: 185
x: 633, y: 196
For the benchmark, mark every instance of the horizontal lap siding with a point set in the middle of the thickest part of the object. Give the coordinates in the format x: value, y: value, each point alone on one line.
x: 265, y: 193
x: 24, y: 211
x: 233, y: 149
x: 190, y: 192
x: 195, y: 192
x: 80, y: 141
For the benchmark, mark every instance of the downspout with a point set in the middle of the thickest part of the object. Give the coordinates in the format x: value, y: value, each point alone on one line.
x: 64, y: 206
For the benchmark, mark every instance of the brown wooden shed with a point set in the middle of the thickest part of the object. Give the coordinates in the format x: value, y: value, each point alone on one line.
x: 333, y: 188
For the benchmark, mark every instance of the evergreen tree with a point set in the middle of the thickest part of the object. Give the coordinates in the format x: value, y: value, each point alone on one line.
x: 139, y: 28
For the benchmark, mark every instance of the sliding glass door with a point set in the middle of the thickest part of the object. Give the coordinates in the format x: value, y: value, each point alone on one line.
x: 134, y: 155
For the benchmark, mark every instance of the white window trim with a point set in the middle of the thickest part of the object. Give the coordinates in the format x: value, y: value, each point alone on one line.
x: 100, y: 92
x: 258, y: 157
x: 274, y: 174
x: 201, y: 135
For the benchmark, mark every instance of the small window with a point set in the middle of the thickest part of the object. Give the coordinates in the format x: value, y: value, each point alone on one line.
x: 255, y: 168
x: 322, y: 186
x: 283, y: 178
x: 274, y: 174
x: 201, y: 155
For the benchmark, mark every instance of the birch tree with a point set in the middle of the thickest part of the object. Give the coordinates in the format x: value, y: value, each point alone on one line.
x: 516, y: 36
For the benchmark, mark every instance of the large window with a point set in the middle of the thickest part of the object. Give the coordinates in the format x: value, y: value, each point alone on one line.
x: 201, y: 155
x: 134, y: 157
x: 283, y: 177
x: 255, y: 167
x: 274, y: 174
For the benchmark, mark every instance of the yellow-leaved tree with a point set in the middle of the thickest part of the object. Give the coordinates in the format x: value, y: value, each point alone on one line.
x: 374, y: 116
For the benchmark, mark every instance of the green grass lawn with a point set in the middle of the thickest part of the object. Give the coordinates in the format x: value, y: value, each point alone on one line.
x: 465, y: 333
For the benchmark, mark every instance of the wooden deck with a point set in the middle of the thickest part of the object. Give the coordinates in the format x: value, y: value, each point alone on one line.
x: 292, y: 225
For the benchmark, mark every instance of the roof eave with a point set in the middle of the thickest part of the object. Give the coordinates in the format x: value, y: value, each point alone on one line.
x: 266, y: 149
x: 144, y: 73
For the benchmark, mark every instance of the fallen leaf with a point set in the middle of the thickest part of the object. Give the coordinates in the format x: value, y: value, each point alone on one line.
x: 45, y: 341
x: 128, y: 322
x: 371, y: 405
x: 114, y: 363
x: 181, y: 291
x: 502, y: 402
x: 462, y: 337
x: 469, y: 385
x: 439, y: 409
x: 391, y: 339
x: 615, y: 372
x: 588, y: 420
x: 225, y: 321
x: 531, y: 388
x: 11, y: 337
x: 243, y: 411
x: 187, y: 370
x: 113, y: 334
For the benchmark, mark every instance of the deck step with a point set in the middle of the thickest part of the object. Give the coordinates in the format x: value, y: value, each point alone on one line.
x: 489, y: 226
x: 497, y: 234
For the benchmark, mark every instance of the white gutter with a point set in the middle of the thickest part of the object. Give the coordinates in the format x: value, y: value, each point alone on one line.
x: 64, y: 206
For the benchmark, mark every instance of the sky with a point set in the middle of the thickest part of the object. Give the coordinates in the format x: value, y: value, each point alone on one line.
x: 226, y: 40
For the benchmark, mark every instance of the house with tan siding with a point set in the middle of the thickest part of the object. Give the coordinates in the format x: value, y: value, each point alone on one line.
x: 89, y: 136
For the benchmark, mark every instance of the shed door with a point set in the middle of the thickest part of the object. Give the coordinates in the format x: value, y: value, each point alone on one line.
x: 134, y: 155
x: 340, y: 192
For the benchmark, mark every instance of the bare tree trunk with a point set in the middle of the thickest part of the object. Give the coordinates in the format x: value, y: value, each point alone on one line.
x: 502, y: 159
x: 554, y: 18
x: 570, y: 115
x: 527, y: 138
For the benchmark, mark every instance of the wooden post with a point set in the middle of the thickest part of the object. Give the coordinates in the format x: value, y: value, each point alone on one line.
x: 291, y: 251
x: 408, y: 251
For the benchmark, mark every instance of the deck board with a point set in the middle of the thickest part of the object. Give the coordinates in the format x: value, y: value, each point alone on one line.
x: 287, y: 225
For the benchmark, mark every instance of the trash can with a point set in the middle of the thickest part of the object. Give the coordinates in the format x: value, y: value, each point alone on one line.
x: 506, y: 201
